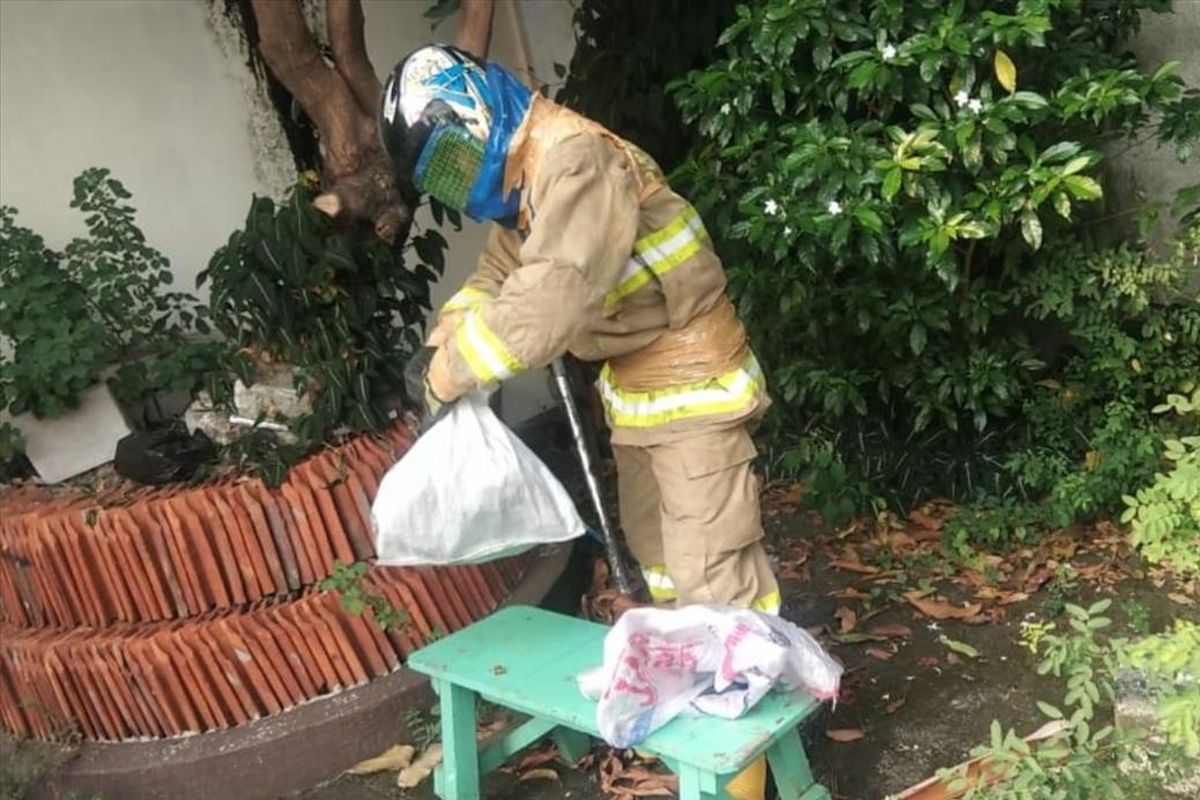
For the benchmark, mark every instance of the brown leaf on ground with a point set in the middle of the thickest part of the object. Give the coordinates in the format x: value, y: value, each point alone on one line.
x: 943, y: 610
x: 1181, y: 599
x: 844, y: 735
x: 846, y: 618
x: 895, y: 705
x: 893, y: 630
x: 925, y: 521
x: 850, y: 593
x: 853, y: 566
x: 541, y: 774
x: 879, y: 654
x: 537, y: 758
x: 928, y: 662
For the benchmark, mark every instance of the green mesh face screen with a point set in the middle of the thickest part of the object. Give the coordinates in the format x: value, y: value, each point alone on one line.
x: 448, y: 165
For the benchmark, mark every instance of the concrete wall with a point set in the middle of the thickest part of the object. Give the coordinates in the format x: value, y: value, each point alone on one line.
x: 1150, y: 172
x: 145, y: 88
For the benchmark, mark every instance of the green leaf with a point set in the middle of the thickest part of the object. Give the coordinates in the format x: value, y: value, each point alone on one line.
x: 891, y: 183
x: 917, y: 336
x: 869, y: 219
x: 1049, y: 710
x: 1083, y: 187
x: 961, y: 648
x: 1006, y: 71
x: 1031, y: 229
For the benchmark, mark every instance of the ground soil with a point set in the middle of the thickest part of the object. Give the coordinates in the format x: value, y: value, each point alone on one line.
x: 920, y: 710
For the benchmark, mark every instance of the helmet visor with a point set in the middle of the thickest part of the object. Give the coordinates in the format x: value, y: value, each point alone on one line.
x: 449, y: 164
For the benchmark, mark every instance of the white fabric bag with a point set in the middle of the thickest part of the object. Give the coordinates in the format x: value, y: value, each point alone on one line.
x: 699, y: 659
x: 469, y: 491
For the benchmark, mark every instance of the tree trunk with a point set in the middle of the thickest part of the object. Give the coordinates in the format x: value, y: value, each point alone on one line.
x: 359, y: 185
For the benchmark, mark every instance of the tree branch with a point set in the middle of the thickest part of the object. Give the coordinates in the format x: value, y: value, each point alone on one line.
x: 344, y: 19
x: 475, y: 27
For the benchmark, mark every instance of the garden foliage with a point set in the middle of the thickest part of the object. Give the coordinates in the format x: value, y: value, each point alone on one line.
x: 910, y: 201
x: 99, y: 310
x: 344, y: 310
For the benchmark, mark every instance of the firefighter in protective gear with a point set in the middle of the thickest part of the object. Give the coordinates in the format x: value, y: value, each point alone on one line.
x: 594, y: 254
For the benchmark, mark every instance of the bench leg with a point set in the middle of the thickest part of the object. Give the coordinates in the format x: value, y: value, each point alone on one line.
x: 696, y: 785
x: 793, y: 775
x: 459, y: 771
x: 572, y: 745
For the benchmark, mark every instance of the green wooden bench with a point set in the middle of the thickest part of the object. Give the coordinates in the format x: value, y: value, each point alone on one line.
x: 526, y: 659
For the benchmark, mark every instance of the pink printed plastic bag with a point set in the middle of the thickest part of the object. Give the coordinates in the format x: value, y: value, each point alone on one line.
x: 718, y: 660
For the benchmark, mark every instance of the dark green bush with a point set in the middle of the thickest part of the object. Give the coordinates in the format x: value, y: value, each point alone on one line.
x: 909, y: 201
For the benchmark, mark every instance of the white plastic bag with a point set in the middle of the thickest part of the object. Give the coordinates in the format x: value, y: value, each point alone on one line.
x: 468, y: 491
x: 660, y: 663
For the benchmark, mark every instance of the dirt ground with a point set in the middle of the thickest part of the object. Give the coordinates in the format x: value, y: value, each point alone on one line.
x: 919, y: 704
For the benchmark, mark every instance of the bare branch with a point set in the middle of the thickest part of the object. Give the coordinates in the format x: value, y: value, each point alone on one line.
x: 475, y: 27
x: 345, y: 22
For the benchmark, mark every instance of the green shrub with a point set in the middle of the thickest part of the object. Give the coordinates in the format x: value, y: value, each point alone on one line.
x: 1091, y: 757
x: 903, y: 193
x: 98, y: 309
x: 344, y: 310
x: 1165, y: 515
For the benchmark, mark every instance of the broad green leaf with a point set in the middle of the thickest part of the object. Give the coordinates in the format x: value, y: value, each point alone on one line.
x: 1083, y: 187
x: 1006, y: 71
x: 1031, y: 229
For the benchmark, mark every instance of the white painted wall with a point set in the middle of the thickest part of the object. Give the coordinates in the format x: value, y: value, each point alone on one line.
x: 142, y: 87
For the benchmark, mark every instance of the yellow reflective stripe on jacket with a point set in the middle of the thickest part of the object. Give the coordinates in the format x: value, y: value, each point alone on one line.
x: 768, y: 604
x: 489, y: 359
x: 657, y: 253
x: 726, y: 394
x: 465, y: 299
x: 661, y: 587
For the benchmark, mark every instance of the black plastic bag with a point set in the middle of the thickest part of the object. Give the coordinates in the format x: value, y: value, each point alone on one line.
x: 163, y: 455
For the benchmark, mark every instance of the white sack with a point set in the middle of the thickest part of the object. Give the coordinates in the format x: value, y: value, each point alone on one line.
x: 469, y: 491
x: 660, y: 663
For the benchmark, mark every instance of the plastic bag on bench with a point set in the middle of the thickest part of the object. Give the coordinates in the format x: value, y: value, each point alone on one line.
x: 660, y: 663
x: 468, y: 491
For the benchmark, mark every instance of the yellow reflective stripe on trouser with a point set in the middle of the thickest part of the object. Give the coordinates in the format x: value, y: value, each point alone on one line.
x: 658, y: 253
x: 769, y: 603
x: 661, y: 587
x: 726, y: 394
x: 465, y: 298
x: 489, y: 359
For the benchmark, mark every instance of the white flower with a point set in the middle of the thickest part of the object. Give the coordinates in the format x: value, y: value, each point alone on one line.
x: 770, y: 208
x: 962, y: 98
x: 933, y: 626
x: 888, y: 52
x: 975, y: 105
x: 787, y: 230
x: 834, y: 207
x: 725, y: 108
x: 1169, y: 337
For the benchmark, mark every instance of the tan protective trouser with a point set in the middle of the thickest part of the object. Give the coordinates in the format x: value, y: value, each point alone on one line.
x: 691, y: 516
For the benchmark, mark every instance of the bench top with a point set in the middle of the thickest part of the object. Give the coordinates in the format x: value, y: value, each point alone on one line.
x: 527, y: 659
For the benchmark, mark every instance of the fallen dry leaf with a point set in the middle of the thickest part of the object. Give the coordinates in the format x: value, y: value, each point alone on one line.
x: 879, y: 654
x: 396, y: 757
x: 540, y: 774
x: 923, y: 520
x: 943, y: 610
x: 1181, y: 599
x: 846, y: 618
x: 411, y: 776
x: 854, y: 566
x: 846, y: 735
x: 895, y: 705
x: 927, y: 662
x: 892, y: 629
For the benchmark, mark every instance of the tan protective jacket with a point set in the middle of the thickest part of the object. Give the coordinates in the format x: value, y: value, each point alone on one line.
x: 609, y: 264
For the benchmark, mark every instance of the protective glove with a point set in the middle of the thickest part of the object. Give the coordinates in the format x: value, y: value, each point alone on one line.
x: 444, y: 329
x: 420, y: 393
